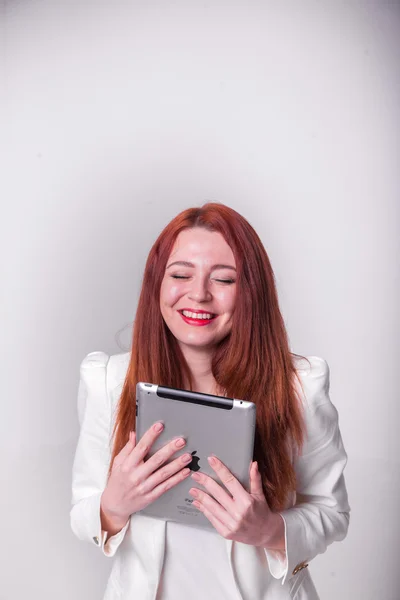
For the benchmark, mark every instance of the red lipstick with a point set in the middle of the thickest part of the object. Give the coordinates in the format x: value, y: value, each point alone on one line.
x: 197, y: 322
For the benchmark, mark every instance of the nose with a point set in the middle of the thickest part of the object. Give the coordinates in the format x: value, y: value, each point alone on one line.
x: 199, y: 291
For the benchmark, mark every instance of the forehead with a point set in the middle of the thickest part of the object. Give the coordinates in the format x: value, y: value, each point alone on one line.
x: 201, y: 245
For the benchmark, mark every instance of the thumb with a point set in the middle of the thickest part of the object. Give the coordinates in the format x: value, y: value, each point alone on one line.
x: 132, y: 437
x: 256, y: 488
x: 126, y: 450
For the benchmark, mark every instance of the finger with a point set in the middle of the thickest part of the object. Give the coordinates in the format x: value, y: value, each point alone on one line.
x: 256, y: 488
x: 143, y: 446
x: 147, y: 468
x: 168, y: 484
x: 126, y: 450
x: 220, y: 527
x: 229, y: 480
x: 213, y: 488
x: 152, y: 481
x: 224, y: 516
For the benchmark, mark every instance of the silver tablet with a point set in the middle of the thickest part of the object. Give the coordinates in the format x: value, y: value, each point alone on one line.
x: 211, y: 425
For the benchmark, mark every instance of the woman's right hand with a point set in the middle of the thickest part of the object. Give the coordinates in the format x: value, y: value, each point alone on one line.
x: 134, y: 483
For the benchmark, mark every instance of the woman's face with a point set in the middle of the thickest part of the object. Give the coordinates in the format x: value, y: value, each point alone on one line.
x: 199, y: 282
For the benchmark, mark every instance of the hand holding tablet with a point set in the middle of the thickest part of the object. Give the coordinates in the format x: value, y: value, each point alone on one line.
x: 212, y: 425
x: 134, y: 483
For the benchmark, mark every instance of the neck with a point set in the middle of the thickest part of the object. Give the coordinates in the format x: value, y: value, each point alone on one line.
x: 199, y: 361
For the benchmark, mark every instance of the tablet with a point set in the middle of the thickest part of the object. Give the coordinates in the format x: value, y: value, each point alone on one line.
x: 211, y: 425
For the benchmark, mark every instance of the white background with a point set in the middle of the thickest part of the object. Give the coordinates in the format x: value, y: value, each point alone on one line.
x: 121, y: 114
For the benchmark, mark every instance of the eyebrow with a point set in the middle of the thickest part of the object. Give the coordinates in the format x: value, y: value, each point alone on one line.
x: 184, y: 263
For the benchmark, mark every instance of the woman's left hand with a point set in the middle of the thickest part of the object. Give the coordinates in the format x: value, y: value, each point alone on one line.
x: 243, y: 517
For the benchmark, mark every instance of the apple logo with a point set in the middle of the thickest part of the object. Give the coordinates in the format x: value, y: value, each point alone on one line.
x: 194, y: 465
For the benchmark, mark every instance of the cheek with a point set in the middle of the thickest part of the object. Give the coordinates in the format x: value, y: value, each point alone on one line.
x: 227, y: 300
x: 169, y: 294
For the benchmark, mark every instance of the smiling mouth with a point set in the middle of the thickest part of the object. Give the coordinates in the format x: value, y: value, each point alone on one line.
x: 199, y: 317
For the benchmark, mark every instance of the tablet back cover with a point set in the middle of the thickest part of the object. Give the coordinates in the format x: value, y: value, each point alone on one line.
x: 211, y: 425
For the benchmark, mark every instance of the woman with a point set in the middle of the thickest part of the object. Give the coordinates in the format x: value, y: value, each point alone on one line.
x: 210, y: 260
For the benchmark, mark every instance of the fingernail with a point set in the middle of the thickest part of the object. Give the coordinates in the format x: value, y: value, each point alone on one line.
x: 180, y: 442
x: 212, y: 460
x: 158, y: 427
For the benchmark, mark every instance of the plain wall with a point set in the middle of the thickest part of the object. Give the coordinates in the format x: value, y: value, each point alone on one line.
x: 121, y: 114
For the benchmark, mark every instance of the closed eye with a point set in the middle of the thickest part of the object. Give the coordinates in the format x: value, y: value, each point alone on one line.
x: 219, y: 280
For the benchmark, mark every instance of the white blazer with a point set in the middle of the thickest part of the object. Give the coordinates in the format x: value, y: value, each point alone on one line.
x: 316, y: 515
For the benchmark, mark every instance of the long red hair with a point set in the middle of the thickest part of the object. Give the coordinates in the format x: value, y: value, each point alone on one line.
x: 253, y: 362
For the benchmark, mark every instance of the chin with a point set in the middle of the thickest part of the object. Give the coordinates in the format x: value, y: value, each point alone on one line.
x: 206, y: 343
x: 194, y: 341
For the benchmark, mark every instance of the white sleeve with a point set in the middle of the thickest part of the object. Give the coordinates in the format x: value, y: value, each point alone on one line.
x: 93, y: 454
x: 321, y: 514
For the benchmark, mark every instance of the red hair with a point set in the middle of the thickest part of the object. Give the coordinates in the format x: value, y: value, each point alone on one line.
x: 253, y: 362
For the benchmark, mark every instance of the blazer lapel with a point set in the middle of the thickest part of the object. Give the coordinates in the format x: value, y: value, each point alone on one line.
x: 229, y: 550
x: 159, y: 528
